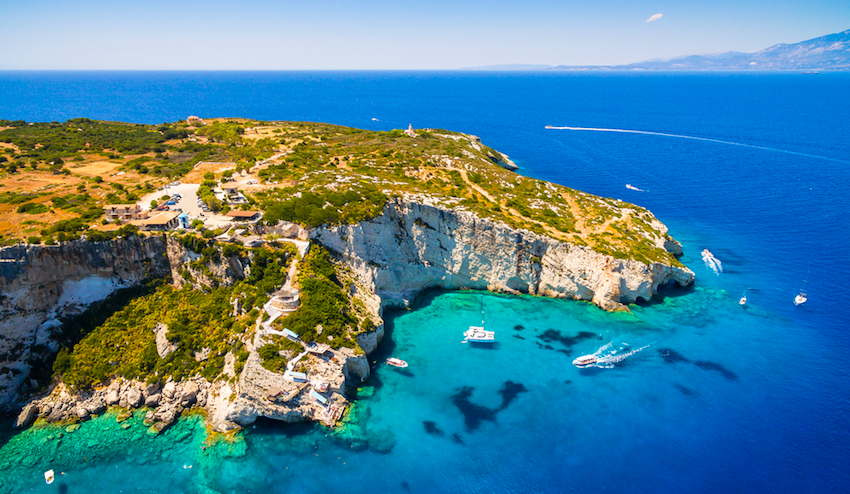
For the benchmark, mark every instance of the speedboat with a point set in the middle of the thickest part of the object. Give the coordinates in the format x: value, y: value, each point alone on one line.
x: 396, y: 362
x: 585, y: 360
x: 800, y: 299
x: 743, y: 300
x: 49, y: 476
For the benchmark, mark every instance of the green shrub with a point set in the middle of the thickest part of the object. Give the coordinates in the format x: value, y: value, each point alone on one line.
x: 33, y: 208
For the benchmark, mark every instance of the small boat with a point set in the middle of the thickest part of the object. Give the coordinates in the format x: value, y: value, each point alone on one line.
x: 477, y: 334
x: 49, y: 476
x: 585, y: 360
x: 396, y: 362
x: 632, y: 187
x: 743, y: 300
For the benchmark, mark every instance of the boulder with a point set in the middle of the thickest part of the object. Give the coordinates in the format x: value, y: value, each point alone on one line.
x: 189, y: 394
x: 167, y: 416
x: 134, y: 397
x: 153, y: 400
x: 152, y: 389
x: 169, y: 389
x: 150, y: 418
x: 82, y: 413
x: 96, y: 406
x: 163, y: 346
x: 27, y: 415
x: 157, y: 427
x: 112, y: 397
x: 57, y: 415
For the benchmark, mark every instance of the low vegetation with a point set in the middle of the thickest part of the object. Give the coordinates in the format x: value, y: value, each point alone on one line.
x: 119, y: 340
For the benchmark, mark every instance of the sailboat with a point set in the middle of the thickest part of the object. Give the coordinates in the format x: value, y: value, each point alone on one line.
x: 801, y: 298
x: 477, y: 334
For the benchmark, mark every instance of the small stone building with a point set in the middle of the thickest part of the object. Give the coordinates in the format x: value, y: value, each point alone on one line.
x: 164, y: 221
x: 124, y: 212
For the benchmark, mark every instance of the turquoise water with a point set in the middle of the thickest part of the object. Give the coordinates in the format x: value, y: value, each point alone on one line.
x: 725, y: 398
x: 512, y: 417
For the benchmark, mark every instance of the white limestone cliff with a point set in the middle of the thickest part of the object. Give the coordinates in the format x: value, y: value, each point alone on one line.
x: 413, y: 246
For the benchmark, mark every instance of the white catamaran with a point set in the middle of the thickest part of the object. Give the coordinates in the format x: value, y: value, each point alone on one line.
x: 477, y: 334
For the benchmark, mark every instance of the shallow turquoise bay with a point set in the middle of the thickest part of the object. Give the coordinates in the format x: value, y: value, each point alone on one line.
x: 446, y: 422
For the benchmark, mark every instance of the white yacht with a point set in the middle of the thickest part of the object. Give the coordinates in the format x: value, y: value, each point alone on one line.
x: 585, y: 360
x: 800, y: 299
x: 396, y: 362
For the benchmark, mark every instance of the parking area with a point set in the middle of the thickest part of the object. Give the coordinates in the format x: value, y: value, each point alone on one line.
x: 187, y: 203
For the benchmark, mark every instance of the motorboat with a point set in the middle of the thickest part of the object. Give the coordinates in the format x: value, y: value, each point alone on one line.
x: 396, y: 362
x: 49, y: 476
x: 585, y: 360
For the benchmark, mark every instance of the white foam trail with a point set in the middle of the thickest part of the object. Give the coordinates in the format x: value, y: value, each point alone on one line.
x: 712, y: 262
x: 679, y: 136
x: 608, y: 361
x: 602, y: 349
x: 632, y: 187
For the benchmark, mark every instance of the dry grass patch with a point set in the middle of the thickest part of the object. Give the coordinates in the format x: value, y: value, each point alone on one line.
x: 96, y: 168
x: 196, y: 176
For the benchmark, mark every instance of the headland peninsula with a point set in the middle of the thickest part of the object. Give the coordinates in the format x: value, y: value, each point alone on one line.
x: 242, y: 267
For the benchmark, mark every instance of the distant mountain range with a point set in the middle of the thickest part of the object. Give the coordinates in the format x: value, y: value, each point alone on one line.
x: 830, y: 52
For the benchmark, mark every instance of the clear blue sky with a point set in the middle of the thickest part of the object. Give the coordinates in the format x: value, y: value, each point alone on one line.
x: 393, y: 34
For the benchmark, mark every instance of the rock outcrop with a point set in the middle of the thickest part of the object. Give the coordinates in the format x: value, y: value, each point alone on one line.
x: 413, y: 246
x: 42, y: 285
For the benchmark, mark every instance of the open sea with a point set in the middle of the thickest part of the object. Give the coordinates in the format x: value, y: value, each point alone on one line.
x: 754, y: 167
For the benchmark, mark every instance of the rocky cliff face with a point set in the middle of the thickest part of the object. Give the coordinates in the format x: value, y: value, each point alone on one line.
x: 42, y: 285
x: 410, y: 247
x: 413, y: 246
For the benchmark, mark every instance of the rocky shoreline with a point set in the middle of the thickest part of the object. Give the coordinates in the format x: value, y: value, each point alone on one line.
x: 412, y: 246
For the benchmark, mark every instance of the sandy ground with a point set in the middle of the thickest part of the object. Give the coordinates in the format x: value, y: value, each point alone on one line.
x: 95, y: 168
x: 196, y: 176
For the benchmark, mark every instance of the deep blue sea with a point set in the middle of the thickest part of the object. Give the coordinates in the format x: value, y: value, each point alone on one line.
x: 754, y: 167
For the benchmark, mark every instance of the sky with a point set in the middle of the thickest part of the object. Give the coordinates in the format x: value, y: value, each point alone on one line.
x: 393, y: 34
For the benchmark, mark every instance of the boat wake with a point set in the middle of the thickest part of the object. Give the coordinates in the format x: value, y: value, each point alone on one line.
x: 706, y: 139
x: 632, y: 187
x: 606, y: 358
x: 712, y: 262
